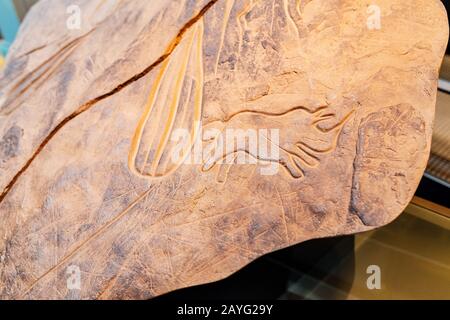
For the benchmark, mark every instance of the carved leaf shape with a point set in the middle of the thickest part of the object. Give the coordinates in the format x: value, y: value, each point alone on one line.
x: 175, y: 102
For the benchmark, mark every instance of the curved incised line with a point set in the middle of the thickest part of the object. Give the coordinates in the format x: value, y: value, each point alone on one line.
x: 291, y: 155
x: 338, y: 127
x: 144, y: 118
x: 173, y: 108
x: 195, y: 47
x: 298, y: 7
x: 198, y: 95
x: 198, y: 99
x: 183, y: 116
x: 269, y: 114
x: 283, y: 163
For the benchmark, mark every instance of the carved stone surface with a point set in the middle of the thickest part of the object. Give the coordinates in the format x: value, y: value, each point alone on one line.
x: 87, y: 116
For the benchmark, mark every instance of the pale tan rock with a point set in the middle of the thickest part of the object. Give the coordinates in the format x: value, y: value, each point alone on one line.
x: 87, y: 115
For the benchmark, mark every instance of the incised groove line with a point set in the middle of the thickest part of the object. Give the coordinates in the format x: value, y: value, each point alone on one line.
x: 168, y: 111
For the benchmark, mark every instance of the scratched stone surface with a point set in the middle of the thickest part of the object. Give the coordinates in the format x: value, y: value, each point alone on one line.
x: 86, y: 115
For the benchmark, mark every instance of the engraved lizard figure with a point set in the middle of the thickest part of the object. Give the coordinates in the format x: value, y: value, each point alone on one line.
x: 304, y: 136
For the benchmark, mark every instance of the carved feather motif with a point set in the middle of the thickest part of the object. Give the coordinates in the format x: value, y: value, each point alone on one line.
x: 175, y: 102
